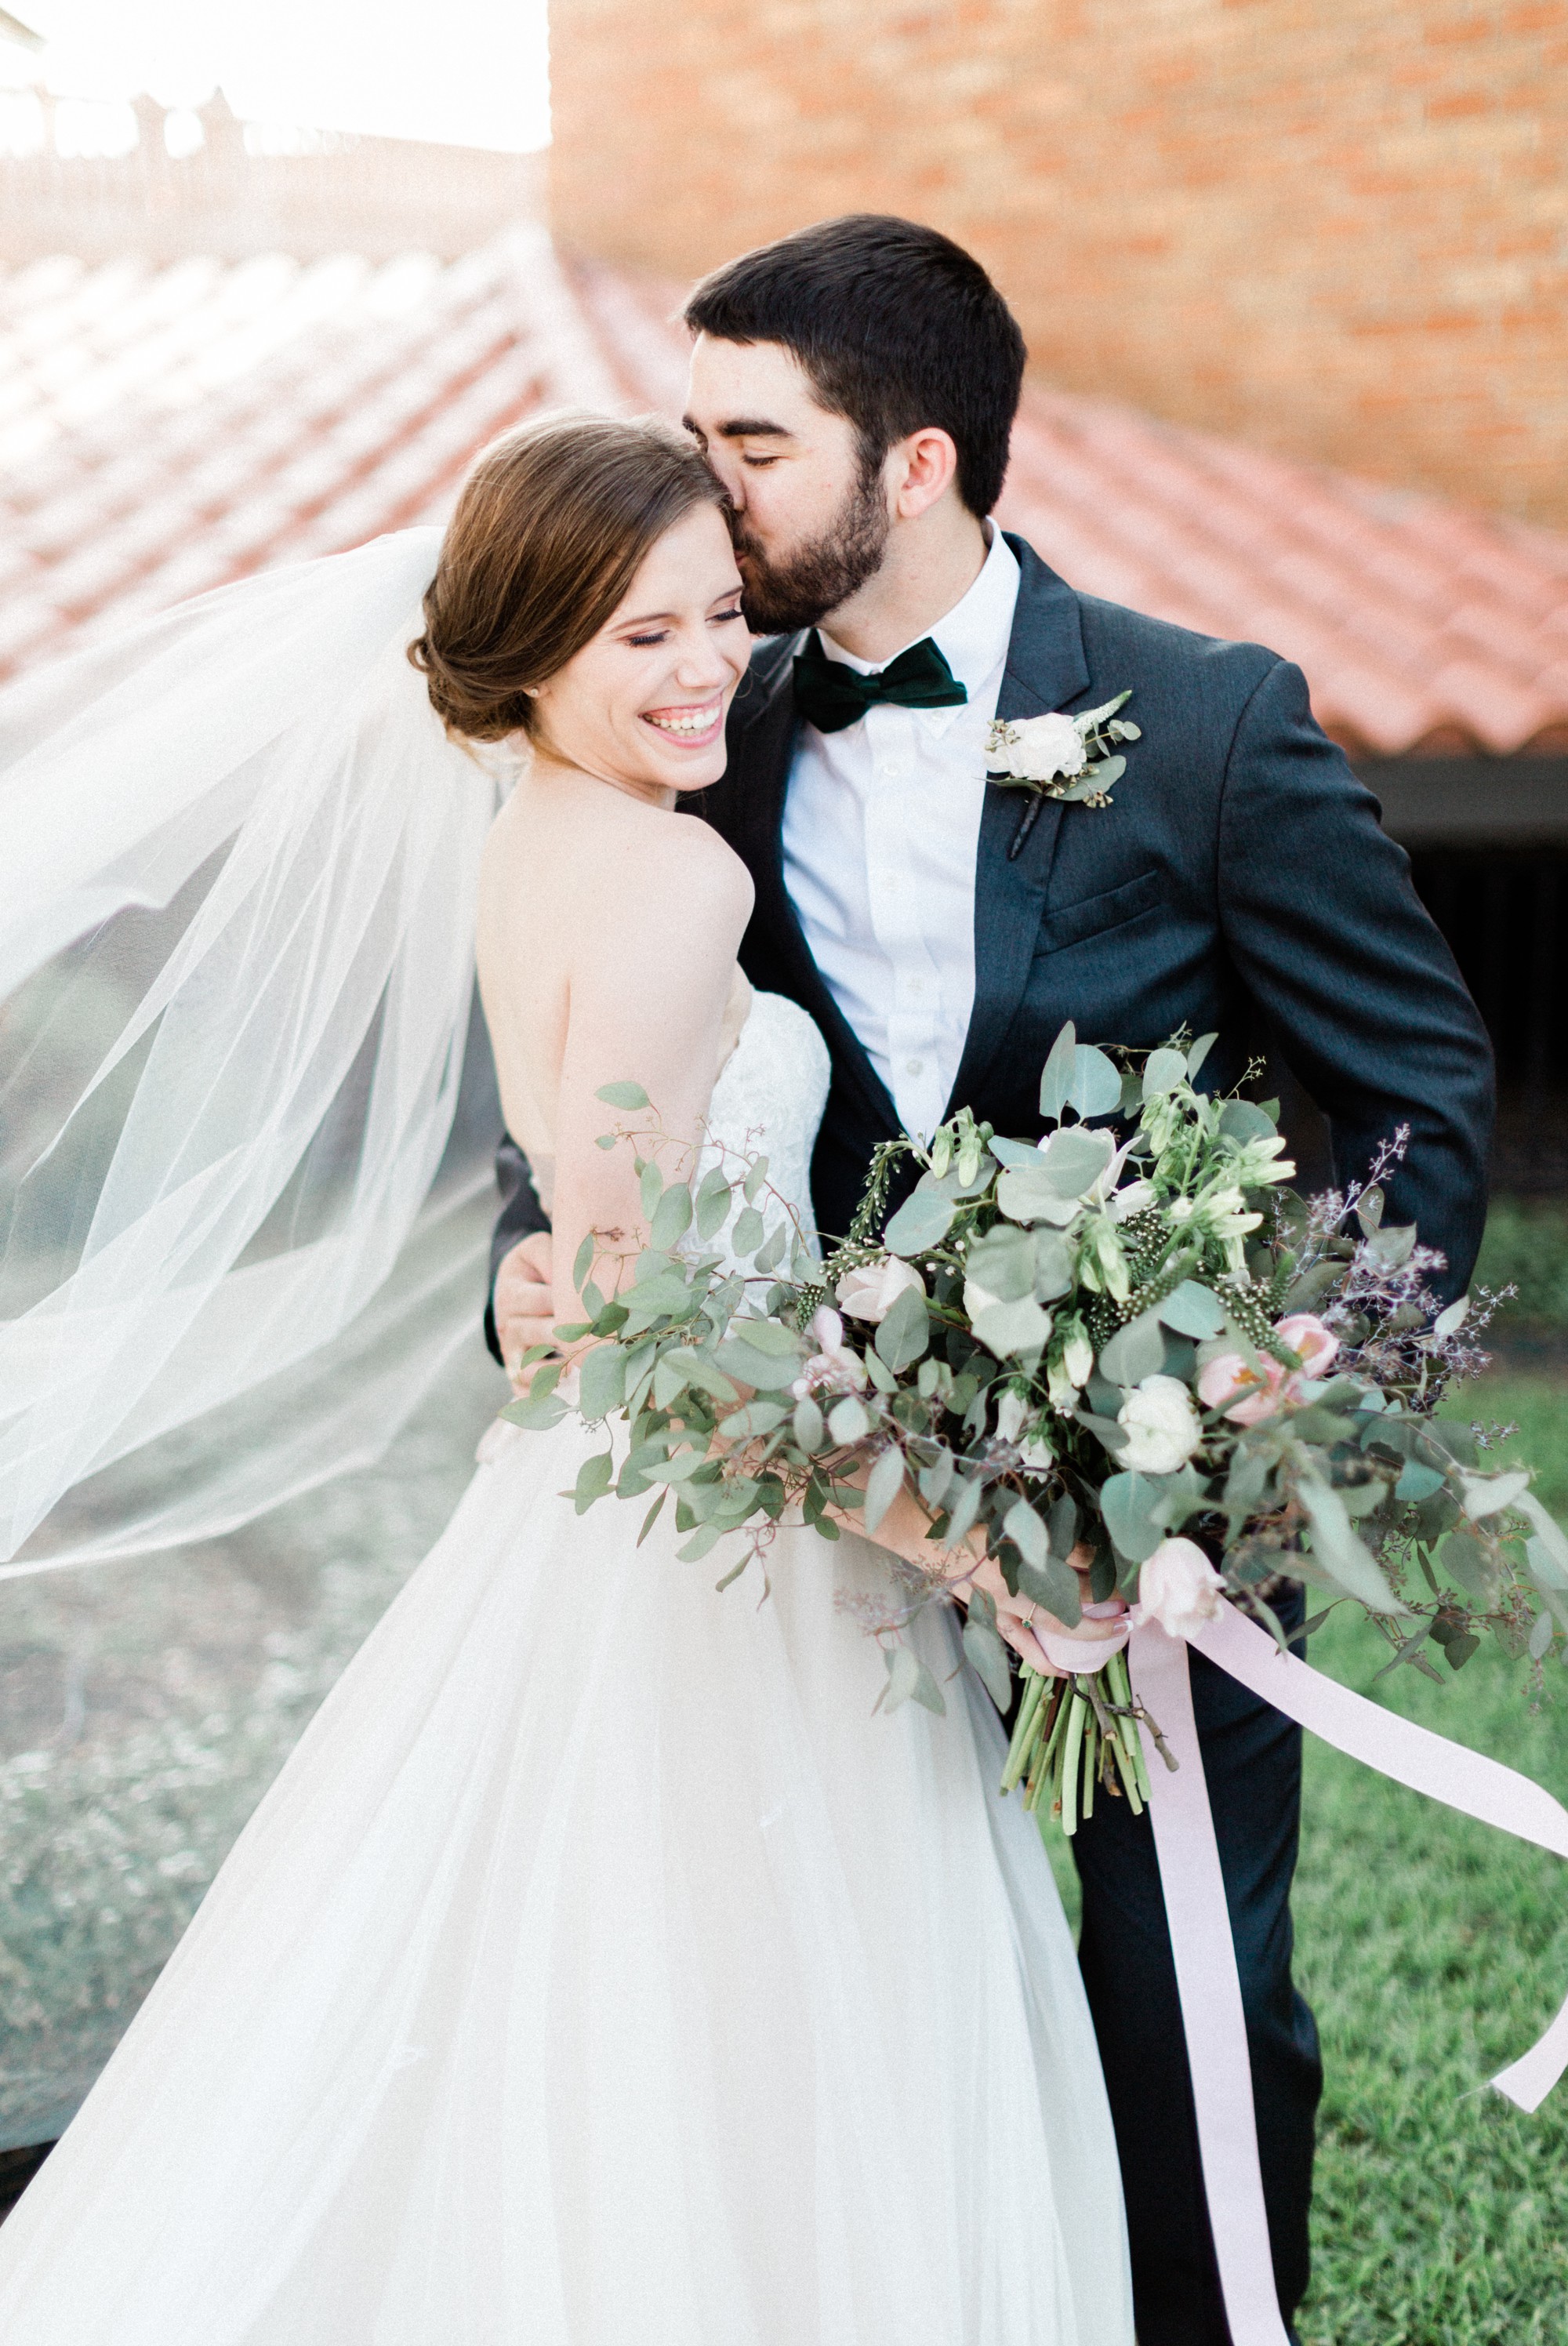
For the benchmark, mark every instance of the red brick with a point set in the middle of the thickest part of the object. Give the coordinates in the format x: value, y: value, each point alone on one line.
x: 1253, y: 219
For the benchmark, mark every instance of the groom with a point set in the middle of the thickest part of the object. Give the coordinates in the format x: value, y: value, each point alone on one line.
x: 854, y: 388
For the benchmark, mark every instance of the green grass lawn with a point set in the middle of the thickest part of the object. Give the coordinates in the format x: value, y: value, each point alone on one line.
x: 1433, y: 1951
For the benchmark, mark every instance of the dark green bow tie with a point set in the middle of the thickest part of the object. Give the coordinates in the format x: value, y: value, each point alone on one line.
x: 829, y: 694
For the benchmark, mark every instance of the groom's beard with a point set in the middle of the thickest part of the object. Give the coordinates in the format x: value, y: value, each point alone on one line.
x: 780, y: 597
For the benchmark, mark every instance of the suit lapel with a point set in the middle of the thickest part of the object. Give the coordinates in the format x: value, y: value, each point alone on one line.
x: 762, y: 781
x: 1047, y: 670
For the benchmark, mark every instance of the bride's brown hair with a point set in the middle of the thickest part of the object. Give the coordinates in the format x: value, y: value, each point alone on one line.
x: 550, y: 529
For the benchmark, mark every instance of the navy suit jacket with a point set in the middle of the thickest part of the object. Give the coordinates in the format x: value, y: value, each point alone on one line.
x: 1239, y: 883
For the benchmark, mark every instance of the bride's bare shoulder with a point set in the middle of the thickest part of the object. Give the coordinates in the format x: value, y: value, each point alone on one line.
x: 646, y: 866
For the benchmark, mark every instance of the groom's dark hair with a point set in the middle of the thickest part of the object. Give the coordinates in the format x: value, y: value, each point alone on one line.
x: 897, y: 327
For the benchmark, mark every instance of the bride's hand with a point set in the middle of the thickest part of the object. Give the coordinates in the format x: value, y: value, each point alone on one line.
x: 1018, y: 1617
x: 904, y: 1529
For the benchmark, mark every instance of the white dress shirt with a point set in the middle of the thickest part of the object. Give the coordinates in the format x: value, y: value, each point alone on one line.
x: 881, y: 825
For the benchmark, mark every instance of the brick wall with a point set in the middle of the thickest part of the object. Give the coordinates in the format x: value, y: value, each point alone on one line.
x: 1335, y: 228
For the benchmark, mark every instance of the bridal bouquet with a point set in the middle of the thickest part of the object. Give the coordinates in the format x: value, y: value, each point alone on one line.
x: 1129, y: 1343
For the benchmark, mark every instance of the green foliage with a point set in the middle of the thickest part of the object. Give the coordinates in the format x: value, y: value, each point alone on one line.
x: 1065, y: 1330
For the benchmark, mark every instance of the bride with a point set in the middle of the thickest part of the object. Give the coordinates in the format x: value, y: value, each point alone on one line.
x: 599, y: 1971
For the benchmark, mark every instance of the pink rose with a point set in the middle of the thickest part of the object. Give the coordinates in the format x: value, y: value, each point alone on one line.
x: 1228, y: 1377
x: 1179, y: 1587
x: 1305, y: 1334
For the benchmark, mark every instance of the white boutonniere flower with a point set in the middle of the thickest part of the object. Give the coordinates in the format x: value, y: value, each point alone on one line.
x: 1061, y: 757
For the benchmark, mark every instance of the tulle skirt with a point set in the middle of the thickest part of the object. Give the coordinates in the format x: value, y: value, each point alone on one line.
x: 601, y: 1972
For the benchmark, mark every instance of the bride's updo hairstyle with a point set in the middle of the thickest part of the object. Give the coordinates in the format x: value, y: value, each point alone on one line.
x: 551, y: 528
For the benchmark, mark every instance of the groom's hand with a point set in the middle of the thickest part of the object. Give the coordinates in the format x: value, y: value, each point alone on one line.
x: 525, y: 1303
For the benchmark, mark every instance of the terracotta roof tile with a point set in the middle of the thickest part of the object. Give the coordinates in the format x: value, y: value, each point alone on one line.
x: 162, y: 429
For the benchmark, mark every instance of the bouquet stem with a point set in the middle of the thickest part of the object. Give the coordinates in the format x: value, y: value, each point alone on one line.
x: 1074, y: 1734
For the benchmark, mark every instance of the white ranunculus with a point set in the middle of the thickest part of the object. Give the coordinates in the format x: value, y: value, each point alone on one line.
x: 1045, y: 749
x: 872, y: 1289
x: 1179, y: 1587
x: 1162, y: 1426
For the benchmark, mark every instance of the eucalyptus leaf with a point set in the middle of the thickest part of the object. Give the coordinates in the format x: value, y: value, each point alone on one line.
x: 904, y: 1335
x: 909, y: 1681
x: 966, y: 1508
x: 767, y: 1371
x: 883, y: 1483
x: 756, y: 1178
x: 810, y: 1429
x: 1489, y: 1494
x: 1192, y: 1309
x: 936, y: 1477
x: 847, y: 1420
x: 1163, y: 1071
x: 1024, y: 1527
x: 1198, y: 1054
x: 595, y: 1476
x: 1135, y: 1351
x: 1341, y: 1553
x: 584, y: 1264
x: 988, y: 1658
x: 1096, y: 1086
x: 1417, y: 1482
x: 1243, y: 1120
x: 650, y: 1187
x: 601, y: 1380
x: 628, y: 1096
x: 1053, y: 1266
x: 746, y: 1236
x: 1002, y: 1264
x: 1054, y: 1585
x: 921, y: 1222
x: 673, y: 1218
x: 1467, y: 1561
x: 714, y: 1199
x: 1073, y: 1159
x: 1540, y: 1638
x: 1131, y: 1504
x: 1012, y: 1329
x: 1057, y: 1080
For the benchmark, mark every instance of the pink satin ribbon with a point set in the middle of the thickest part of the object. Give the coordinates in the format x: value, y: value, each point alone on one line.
x: 1207, y: 1977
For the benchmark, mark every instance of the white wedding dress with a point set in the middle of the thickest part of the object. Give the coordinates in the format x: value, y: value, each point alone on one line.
x: 601, y: 1972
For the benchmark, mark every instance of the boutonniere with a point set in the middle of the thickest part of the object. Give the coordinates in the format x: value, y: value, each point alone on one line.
x: 1061, y: 757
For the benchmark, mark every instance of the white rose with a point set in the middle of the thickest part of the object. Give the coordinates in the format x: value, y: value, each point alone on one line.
x: 1162, y: 1426
x: 1179, y: 1587
x: 1135, y: 1199
x: 872, y: 1289
x: 1045, y: 749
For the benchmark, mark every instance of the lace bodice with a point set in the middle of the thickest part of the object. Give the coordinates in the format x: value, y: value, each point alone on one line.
x: 769, y: 1102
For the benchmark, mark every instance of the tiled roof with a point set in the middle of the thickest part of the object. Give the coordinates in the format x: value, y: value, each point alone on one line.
x: 162, y: 429
x: 1420, y: 625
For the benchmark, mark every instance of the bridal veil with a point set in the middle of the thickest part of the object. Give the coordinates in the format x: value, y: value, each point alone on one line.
x: 245, y: 1100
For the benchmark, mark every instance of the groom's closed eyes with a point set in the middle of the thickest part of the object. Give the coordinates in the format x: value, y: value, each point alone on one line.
x: 742, y: 427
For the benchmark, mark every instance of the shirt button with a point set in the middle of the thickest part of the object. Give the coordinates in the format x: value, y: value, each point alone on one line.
x: 913, y: 1067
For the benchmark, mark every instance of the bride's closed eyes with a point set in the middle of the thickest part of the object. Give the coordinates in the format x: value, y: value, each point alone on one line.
x: 715, y: 619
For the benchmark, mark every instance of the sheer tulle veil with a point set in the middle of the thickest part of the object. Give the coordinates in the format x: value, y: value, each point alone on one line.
x: 244, y: 1177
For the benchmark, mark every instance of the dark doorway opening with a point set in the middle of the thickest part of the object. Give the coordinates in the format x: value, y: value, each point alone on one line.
x: 1501, y: 909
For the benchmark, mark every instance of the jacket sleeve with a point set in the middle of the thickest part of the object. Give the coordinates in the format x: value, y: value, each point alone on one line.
x: 521, y: 1215
x: 1324, y: 927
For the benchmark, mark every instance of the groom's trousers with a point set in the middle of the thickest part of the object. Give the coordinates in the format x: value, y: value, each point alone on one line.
x: 1252, y: 1759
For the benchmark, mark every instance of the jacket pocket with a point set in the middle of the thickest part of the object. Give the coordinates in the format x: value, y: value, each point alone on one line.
x: 1091, y: 916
